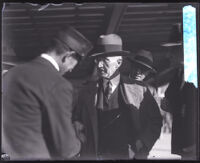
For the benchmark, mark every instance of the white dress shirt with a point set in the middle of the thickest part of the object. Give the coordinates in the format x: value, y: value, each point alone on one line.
x: 50, y: 59
x: 115, y: 82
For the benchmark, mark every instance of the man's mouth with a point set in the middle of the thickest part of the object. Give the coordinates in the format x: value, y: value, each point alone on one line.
x: 102, y: 70
x: 70, y: 70
x: 137, y: 76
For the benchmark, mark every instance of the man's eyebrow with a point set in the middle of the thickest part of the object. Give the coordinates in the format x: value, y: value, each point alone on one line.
x: 107, y: 59
x: 103, y: 59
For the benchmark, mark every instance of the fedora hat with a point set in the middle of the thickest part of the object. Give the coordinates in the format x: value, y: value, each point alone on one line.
x: 144, y: 58
x: 73, y: 39
x: 109, y: 45
x: 175, y: 37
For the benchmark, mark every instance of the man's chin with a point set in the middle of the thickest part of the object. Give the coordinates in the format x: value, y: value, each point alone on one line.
x: 103, y: 75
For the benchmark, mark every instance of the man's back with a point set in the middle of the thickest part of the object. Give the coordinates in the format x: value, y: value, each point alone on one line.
x: 31, y: 113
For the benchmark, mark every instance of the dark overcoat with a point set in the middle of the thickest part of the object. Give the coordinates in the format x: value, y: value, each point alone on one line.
x: 37, y: 110
x: 144, y: 113
x: 183, y: 104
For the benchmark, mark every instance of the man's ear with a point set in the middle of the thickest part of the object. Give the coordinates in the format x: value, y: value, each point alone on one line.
x: 119, y: 61
x: 65, y: 56
x: 63, y: 59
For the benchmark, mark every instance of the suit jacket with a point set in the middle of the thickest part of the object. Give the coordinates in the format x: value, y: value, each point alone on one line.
x: 144, y: 112
x: 37, y: 110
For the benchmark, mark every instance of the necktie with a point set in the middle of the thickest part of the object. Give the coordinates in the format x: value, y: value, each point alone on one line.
x: 108, y: 90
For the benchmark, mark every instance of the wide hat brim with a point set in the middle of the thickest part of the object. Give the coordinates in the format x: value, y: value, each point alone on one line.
x: 111, y: 54
x: 143, y: 64
x: 175, y: 37
x: 73, y: 39
x: 171, y: 44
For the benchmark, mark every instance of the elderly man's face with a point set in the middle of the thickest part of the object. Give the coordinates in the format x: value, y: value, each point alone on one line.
x: 107, y: 66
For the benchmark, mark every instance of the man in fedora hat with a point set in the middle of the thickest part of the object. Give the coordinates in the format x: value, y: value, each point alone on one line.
x: 111, y: 116
x: 37, y: 102
x: 180, y: 100
x: 142, y: 68
x: 142, y: 65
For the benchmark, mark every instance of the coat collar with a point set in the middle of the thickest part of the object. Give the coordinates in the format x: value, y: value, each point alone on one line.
x: 45, y: 63
x: 51, y: 60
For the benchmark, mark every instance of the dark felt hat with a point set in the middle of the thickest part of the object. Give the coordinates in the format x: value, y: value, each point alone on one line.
x: 144, y: 58
x: 109, y: 45
x: 73, y: 39
x: 175, y: 37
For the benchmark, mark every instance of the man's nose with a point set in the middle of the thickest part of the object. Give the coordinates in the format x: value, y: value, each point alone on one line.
x: 100, y: 64
x: 76, y: 62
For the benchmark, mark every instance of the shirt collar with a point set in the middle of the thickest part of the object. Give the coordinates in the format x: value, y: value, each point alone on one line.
x: 114, y: 82
x: 50, y: 59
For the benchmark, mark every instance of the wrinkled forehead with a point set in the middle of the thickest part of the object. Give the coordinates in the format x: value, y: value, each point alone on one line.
x: 110, y: 59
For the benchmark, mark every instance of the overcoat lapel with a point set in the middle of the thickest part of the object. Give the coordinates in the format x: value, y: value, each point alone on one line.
x: 91, y: 105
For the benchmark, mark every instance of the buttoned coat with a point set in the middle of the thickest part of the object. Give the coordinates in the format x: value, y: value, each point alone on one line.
x: 144, y: 113
x: 36, y: 112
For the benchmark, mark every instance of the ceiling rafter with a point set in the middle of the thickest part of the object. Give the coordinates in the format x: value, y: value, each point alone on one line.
x: 38, y: 33
x: 139, y: 24
x: 116, y: 17
x: 76, y: 15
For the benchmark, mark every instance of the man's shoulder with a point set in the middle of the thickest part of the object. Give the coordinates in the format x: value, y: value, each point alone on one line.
x: 133, y: 86
x: 36, y: 73
x: 127, y: 80
x: 20, y: 70
x: 33, y: 65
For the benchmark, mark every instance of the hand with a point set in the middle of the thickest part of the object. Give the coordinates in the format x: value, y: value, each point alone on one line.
x: 78, y: 126
x: 139, y: 145
x: 81, y: 137
x: 131, y: 152
x: 79, y: 131
x: 141, y: 152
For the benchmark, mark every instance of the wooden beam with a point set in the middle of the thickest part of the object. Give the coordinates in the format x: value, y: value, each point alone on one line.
x: 64, y: 19
x: 143, y: 12
x: 15, y: 20
x: 145, y: 29
x: 145, y: 24
x: 32, y: 19
x: 7, y: 36
x: 152, y: 15
x: 130, y: 34
x: 158, y: 18
x: 145, y: 37
x: 147, y: 5
x: 153, y: 20
x: 105, y: 19
x: 150, y: 9
x: 116, y: 17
